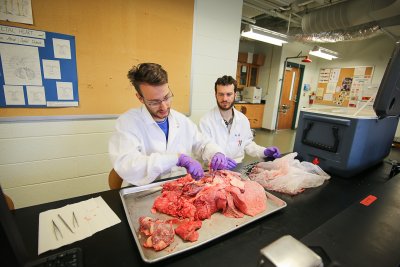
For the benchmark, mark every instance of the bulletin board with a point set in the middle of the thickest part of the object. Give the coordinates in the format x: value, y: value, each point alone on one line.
x: 110, y: 38
x: 342, y: 86
x: 37, y: 69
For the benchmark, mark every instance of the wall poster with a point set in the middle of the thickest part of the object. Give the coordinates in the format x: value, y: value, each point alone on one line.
x: 343, y: 86
x: 38, y: 69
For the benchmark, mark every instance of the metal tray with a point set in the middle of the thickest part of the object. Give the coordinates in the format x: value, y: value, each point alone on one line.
x: 138, y: 202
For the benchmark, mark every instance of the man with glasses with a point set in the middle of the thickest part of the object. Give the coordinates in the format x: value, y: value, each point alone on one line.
x: 229, y: 128
x: 155, y: 141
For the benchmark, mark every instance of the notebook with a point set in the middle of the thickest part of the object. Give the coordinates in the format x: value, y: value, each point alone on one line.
x: 13, y: 251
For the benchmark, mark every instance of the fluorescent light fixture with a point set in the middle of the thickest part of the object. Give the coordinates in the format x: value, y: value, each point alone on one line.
x: 264, y: 35
x: 323, y: 53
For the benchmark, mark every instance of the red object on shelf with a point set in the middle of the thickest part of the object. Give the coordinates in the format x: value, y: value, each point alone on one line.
x: 315, y: 161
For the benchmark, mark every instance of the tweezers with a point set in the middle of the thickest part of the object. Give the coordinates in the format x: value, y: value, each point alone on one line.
x: 65, y: 223
x: 74, y: 220
x: 56, y: 230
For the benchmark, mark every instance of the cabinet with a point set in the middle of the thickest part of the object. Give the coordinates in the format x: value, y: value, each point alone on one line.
x: 248, y: 69
x: 254, y: 112
x: 247, y: 74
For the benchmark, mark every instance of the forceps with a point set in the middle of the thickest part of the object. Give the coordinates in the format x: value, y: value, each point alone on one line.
x: 65, y: 223
x: 74, y: 220
x: 56, y: 230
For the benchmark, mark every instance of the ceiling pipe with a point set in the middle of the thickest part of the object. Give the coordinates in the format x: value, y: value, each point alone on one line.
x: 250, y: 20
x: 272, y: 13
x: 339, y: 36
x: 336, y: 22
x: 266, y: 4
x: 341, y: 16
x: 281, y: 2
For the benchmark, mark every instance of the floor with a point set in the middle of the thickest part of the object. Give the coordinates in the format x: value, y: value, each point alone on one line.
x: 283, y: 139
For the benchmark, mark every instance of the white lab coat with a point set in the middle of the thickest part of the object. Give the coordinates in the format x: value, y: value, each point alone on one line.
x: 235, y: 143
x: 140, y: 153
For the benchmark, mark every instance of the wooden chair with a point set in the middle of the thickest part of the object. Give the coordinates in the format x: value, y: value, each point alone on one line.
x: 10, y: 203
x: 114, y: 180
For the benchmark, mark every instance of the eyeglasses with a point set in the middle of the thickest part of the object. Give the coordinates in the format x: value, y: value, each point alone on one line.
x: 156, y: 103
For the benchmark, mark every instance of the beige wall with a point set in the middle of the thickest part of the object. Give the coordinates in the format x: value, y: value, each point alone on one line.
x: 48, y: 161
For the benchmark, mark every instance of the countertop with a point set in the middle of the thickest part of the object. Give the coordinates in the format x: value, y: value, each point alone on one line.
x: 305, y: 213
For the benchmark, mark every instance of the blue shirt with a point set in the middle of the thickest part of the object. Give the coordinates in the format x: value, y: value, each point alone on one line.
x: 164, y: 125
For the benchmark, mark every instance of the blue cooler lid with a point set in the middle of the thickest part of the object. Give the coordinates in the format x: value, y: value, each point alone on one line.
x: 387, y: 101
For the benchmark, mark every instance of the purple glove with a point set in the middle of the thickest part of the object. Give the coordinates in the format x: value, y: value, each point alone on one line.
x: 231, y: 163
x: 192, y: 166
x: 219, y: 162
x: 272, y: 152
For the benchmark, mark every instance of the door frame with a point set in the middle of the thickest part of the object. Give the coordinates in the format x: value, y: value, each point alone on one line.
x: 301, y: 67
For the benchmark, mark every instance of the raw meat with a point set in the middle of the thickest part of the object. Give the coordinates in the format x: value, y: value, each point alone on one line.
x: 208, y: 201
x: 218, y: 191
x: 231, y: 210
x: 191, y: 201
x: 174, y: 204
x: 252, y: 200
x: 288, y: 175
x: 187, y: 230
x: 160, y: 234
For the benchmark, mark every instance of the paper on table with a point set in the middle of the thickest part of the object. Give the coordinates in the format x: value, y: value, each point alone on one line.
x: 93, y: 215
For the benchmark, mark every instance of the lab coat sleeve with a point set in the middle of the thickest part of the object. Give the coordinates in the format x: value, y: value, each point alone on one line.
x: 132, y: 164
x: 204, y: 147
x: 205, y: 128
x: 250, y: 147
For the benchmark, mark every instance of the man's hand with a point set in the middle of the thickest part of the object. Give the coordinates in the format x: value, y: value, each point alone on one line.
x: 191, y: 165
x: 272, y: 152
x: 231, y: 163
x: 219, y: 162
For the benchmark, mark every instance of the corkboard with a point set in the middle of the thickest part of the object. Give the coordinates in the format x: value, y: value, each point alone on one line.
x: 111, y: 37
x: 336, y: 86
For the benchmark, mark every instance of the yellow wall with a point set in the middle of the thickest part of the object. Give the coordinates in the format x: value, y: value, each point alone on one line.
x: 112, y: 36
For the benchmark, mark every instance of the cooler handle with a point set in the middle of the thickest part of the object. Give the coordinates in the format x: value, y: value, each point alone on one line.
x: 327, y: 119
x: 335, y: 132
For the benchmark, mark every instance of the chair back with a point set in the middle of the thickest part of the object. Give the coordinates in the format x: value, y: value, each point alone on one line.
x: 10, y: 203
x: 114, y: 180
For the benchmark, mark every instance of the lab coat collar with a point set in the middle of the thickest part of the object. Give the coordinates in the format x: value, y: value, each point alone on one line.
x: 218, y: 115
x: 235, y: 113
x: 173, y: 127
x: 148, y: 119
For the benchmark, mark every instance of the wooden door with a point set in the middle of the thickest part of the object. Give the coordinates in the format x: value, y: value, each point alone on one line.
x: 288, y: 100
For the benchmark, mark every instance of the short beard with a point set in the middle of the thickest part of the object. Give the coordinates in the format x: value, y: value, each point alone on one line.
x: 155, y: 115
x: 222, y: 108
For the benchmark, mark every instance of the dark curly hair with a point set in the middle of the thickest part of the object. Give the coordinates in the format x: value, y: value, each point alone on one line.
x: 226, y: 80
x: 150, y: 73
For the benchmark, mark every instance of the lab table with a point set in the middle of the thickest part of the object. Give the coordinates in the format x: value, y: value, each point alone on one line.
x: 304, y: 214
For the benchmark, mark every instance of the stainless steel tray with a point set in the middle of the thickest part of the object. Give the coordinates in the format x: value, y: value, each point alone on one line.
x: 138, y: 202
